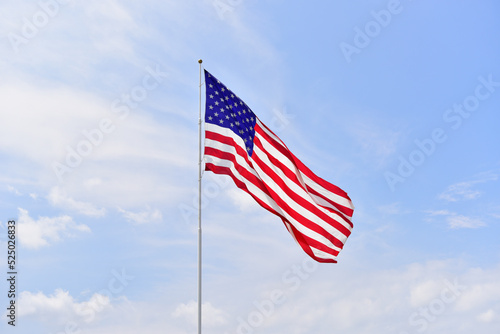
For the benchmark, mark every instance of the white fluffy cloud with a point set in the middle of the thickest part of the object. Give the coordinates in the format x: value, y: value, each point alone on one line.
x: 61, y: 307
x: 46, y: 230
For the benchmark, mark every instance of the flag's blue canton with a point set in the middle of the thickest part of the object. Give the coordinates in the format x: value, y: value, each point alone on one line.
x: 225, y: 109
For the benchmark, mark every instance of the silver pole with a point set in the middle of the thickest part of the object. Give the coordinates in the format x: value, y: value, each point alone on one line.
x: 199, y: 212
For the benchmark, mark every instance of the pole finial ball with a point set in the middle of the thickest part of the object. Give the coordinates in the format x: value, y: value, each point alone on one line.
x: 200, y: 61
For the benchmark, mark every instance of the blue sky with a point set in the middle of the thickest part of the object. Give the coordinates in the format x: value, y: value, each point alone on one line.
x: 396, y: 102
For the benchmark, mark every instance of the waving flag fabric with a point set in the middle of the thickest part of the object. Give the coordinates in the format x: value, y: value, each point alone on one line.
x: 315, y: 212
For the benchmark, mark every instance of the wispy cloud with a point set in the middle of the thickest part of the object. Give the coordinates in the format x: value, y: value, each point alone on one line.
x: 39, y: 233
x: 212, y: 316
x: 463, y: 191
x: 14, y: 191
x: 459, y: 221
x: 59, y: 198
x: 378, y: 142
x: 392, y: 209
x: 456, y: 221
x: 487, y: 316
x: 142, y: 217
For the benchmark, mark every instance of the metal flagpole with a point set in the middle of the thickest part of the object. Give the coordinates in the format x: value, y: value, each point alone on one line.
x: 199, y: 212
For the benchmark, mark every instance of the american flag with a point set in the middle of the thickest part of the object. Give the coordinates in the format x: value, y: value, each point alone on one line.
x: 315, y: 212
